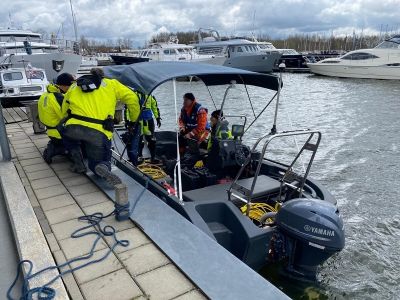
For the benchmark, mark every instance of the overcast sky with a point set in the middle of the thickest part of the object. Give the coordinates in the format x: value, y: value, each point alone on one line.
x: 141, y: 19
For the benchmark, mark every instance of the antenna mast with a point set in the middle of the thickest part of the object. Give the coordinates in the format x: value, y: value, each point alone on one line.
x: 74, y: 21
x: 252, y: 33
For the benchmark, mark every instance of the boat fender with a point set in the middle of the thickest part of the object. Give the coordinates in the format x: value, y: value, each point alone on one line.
x: 169, y: 188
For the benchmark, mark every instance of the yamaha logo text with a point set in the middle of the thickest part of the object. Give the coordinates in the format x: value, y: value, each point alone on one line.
x: 319, y: 230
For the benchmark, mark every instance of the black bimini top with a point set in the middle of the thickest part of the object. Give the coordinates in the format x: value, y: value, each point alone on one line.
x: 146, y: 76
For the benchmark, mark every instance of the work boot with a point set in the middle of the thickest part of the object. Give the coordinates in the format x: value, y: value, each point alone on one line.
x: 49, y: 152
x: 169, y: 164
x: 155, y: 161
x: 78, y: 166
x: 140, y: 161
x: 103, y: 172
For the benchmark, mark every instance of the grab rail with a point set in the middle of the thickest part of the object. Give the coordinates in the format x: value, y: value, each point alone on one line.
x: 246, y: 194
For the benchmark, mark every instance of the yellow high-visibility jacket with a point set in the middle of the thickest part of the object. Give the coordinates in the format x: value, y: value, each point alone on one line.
x: 49, y: 106
x: 222, y: 129
x: 99, y: 104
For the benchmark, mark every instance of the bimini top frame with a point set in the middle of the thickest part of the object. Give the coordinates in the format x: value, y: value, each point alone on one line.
x: 147, y: 76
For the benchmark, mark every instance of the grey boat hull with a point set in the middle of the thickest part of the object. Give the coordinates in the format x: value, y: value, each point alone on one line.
x: 53, y: 63
x: 263, y: 63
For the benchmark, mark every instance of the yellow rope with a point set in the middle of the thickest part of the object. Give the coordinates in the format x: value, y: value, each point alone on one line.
x: 154, y: 171
x: 257, y: 210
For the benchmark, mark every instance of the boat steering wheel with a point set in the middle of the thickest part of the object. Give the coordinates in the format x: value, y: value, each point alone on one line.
x: 241, y: 153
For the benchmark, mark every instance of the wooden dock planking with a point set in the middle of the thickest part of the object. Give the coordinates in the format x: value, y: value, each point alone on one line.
x: 14, y: 115
x: 21, y: 112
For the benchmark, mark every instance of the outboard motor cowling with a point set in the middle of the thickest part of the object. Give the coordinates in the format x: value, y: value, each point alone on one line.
x: 313, y: 232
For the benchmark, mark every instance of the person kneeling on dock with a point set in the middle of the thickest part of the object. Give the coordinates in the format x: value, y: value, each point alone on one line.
x: 49, y: 107
x: 89, y: 108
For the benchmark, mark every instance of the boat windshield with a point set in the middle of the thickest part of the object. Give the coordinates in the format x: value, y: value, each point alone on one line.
x: 359, y: 56
x: 290, y: 51
x: 12, y: 76
x: 392, y: 43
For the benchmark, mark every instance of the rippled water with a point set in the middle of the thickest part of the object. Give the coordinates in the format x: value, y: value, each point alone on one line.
x: 358, y: 161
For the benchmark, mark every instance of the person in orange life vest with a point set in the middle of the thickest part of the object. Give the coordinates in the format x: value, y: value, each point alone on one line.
x: 193, y: 121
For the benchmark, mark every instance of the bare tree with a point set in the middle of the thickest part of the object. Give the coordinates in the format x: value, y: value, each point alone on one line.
x: 84, y: 44
x: 127, y: 43
x: 43, y: 33
x: 119, y: 43
x: 110, y: 43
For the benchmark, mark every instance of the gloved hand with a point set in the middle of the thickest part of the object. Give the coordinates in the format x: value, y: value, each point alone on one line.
x: 159, y: 122
x: 131, y: 125
x: 187, y: 136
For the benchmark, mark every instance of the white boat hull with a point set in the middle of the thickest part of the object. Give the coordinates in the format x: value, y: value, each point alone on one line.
x: 206, y: 59
x: 53, y: 63
x: 17, y: 86
x: 356, y: 70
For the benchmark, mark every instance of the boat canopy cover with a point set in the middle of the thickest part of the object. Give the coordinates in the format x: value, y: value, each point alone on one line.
x: 146, y: 76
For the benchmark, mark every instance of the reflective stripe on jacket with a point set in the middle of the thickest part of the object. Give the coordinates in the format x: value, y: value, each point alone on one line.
x: 190, y: 121
x: 49, y: 107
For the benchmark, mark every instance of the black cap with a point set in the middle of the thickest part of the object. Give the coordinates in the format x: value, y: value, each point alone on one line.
x: 189, y: 96
x: 64, y: 79
x: 216, y: 113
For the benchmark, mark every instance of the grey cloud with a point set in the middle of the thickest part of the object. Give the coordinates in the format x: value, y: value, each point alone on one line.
x: 140, y: 19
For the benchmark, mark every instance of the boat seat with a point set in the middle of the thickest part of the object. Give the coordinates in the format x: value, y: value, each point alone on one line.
x: 264, y: 186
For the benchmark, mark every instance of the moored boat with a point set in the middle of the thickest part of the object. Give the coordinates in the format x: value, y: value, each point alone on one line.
x: 291, y: 58
x: 381, y: 62
x: 56, y: 56
x: 239, y: 52
x: 21, y: 84
x: 127, y: 60
x: 173, y: 51
x: 299, y: 220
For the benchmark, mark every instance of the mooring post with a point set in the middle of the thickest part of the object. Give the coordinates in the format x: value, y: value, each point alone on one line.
x: 121, y: 197
x: 5, y: 147
x: 38, y: 127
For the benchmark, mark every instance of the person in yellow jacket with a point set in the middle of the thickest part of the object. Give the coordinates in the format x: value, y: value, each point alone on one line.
x: 89, y: 108
x: 147, y: 127
x: 49, y: 106
x: 222, y: 132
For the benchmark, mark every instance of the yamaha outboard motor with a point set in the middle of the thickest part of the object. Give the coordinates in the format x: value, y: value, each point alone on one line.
x: 309, y: 231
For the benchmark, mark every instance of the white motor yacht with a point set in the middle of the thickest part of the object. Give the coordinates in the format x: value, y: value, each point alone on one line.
x: 381, y: 62
x: 21, y: 84
x: 20, y: 47
x: 291, y: 58
x: 173, y: 51
x: 240, y: 53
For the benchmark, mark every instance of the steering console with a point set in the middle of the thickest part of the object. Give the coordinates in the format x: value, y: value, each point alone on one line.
x: 241, y: 153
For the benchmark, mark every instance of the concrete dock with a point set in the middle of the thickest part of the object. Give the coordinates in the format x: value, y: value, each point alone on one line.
x: 44, y: 203
x: 49, y: 200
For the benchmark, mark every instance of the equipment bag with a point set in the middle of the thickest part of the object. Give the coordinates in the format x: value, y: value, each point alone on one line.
x: 190, y: 180
x: 206, y: 177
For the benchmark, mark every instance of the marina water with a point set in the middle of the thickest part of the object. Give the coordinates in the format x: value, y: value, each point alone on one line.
x: 358, y: 161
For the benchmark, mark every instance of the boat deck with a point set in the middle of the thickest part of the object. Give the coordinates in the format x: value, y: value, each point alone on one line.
x: 167, y: 257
